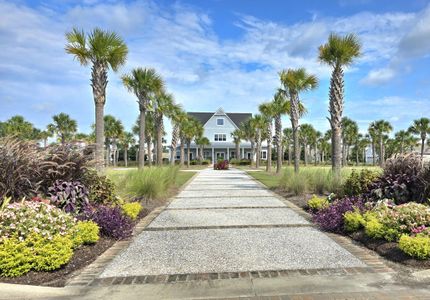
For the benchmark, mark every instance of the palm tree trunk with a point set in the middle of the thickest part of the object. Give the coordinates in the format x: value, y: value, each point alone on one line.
x: 114, y: 152
x: 148, y: 143
x: 305, y: 147
x: 238, y: 152
x: 160, y: 130
x: 423, y: 140
x: 188, y: 153
x: 315, y: 154
x: 289, y: 154
x: 142, y: 120
x: 373, y: 152
x: 201, y: 154
x: 381, y: 151
x: 278, y: 136
x: 257, y: 164
x: 182, y: 150
x: 100, y: 134
x: 252, y: 152
x: 336, y: 111
x: 175, y: 138
x: 269, y: 147
x: 126, y: 157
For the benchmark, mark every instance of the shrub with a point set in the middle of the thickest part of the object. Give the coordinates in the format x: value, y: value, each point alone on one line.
x: 132, y: 209
x: 22, y: 219
x: 417, y: 246
x: 353, y: 220
x: 373, y: 228
x: 17, y: 256
x: 404, y: 179
x: 149, y: 183
x: 317, y: 203
x: 331, y: 218
x: 69, y: 196
x: 294, y: 183
x: 245, y: 162
x: 84, y: 233
x: 101, y: 189
x: 358, y: 182
x: 221, y: 165
x: 21, y: 168
x: 111, y: 221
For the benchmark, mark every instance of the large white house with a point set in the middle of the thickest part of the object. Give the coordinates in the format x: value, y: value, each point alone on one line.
x: 218, y: 127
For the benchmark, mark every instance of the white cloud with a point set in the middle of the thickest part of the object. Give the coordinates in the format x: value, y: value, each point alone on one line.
x: 379, y: 76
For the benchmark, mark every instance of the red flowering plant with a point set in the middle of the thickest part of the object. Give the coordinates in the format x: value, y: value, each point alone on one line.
x: 221, y: 165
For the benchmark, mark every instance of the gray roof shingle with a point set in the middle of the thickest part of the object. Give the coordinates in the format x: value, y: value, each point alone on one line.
x: 237, y: 118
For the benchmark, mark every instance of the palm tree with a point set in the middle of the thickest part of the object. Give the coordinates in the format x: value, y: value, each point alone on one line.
x: 127, y: 139
x: 237, y: 136
x: 19, y: 127
x: 145, y: 84
x: 192, y: 129
x: 325, y: 145
x: 267, y: 110
x: 338, y: 52
x: 349, y: 136
x: 295, y: 82
x: 63, y: 127
x: 306, y: 133
x: 163, y: 106
x: 113, y: 132
x: 382, y: 127
x: 44, y: 136
x: 249, y: 134
x: 259, y: 123
x: 315, y: 138
x: 202, y: 142
x: 421, y: 127
x: 104, y: 50
x: 177, y: 116
x: 288, y: 140
x: 373, y: 136
x: 402, y: 136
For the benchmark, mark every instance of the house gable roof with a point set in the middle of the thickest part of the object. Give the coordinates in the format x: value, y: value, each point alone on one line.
x: 236, y: 118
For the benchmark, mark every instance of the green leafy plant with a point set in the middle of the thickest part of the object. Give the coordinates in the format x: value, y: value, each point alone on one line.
x: 84, y: 233
x: 71, y: 196
x: 359, y: 182
x: 101, y: 189
x: 415, y: 246
x: 317, y: 203
x: 50, y: 254
x: 16, y: 258
x: 353, y: 220
x: 132, y: 209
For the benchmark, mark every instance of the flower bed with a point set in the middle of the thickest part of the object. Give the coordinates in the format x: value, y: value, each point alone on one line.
x: 221, y: 165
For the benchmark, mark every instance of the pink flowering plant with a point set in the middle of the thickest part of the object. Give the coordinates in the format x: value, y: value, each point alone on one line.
x: 24, y: 218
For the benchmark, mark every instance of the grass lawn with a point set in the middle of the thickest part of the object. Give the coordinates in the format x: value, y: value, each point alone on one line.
x: 183, y: 177
x: 270, y: 180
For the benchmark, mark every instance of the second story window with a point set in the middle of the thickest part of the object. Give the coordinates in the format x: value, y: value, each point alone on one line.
x: 220, y: 121
x: 220, y: 137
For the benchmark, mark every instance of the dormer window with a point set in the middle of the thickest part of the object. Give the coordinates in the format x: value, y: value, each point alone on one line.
x: 220, y: 121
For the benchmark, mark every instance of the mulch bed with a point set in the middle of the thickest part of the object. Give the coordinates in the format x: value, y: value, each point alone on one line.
x: 82, y: 257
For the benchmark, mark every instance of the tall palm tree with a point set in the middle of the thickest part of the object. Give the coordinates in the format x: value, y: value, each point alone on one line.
x: 126, y: 140
x: 295, y: 82
x: 177, y: 116
x: 19, y: 127
x: 306, y: 133
x: 259, y: 123
x: 202, y: 142
x: 192, y: 129
x: 288, y: 140
x: 163, y: 106
x: 373, y: 136
x: 349, y: 136
x: 267, y: 110
x: 103, y: 50
x: 315, y: 138
x: 382, y: 128
x: 421, y: 127
x: 237, y: 136
x: 63, y: 127
x: 113, y: 132
x: 338, y: 52
x: 44, y: 136
x: 249, y: 134
x: 145, y: 84
x: 402, y: 136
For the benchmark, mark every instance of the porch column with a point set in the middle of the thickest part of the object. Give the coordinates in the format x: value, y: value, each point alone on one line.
x: 213, y: 155
x: 243, y: 153
x: 228, y: 153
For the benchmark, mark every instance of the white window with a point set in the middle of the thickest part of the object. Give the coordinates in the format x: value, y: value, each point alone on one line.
x: 221, y: 137
x: 263, y: 155
x: 220, y: 121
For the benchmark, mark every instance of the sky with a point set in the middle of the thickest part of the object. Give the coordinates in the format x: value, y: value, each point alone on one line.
x: 218, y: 53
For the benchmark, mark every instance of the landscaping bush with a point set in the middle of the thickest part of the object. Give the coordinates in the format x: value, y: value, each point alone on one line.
x: 70, y: 196
x: 317, y: 203
x: 149, y: 183
x: 111, y: 221
x: 21, y: 168
x: 331, y: 218
x: 353, y: 220
x: 359, y: 182
x: 221, y: 165
x: 245, y: 162
x: 23, y: 218
x: 294, y: 183
x: 84, y: 233
x: 132, y: 209
x: 415, y: 246
x: 18, y: 256
x: 404, y: 179
x: 101, y: 189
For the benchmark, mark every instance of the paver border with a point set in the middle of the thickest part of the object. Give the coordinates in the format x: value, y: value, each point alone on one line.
x: 87, y: 275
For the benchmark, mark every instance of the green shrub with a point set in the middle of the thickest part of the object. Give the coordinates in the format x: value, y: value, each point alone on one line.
x: 358, y: 182
x: 149, y: 183
x: 353, y: 220
x: 372, y: 227
x: 101, y: 189
x: 84, y: 233
x: 50, y: 254
x: 132, y: 209
x: 294, y: 183
x: 16, y: 258
x: 415, y: 246
x: 317, y: 203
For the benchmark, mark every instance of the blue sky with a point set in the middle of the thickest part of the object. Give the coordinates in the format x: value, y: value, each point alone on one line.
x: 216, y: 53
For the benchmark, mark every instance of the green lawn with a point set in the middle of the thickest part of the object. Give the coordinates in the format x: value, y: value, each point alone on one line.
x: 183, y: 177
x: 268, y: 179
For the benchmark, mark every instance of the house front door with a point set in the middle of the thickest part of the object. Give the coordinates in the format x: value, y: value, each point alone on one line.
x: 220, y: 155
